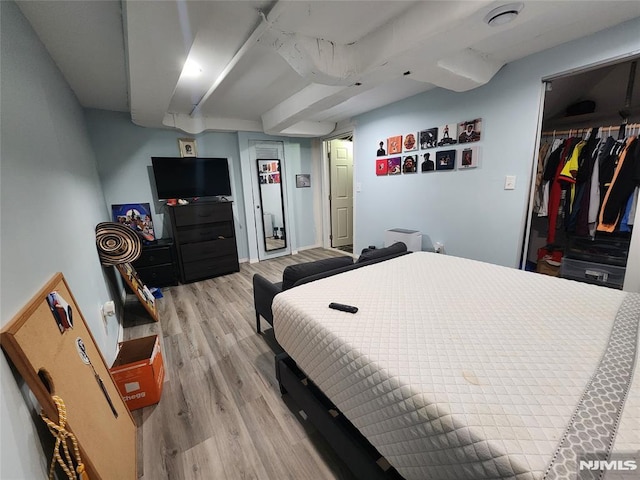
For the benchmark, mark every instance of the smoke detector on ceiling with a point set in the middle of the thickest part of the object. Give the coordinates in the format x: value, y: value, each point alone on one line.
x: 504, y: 14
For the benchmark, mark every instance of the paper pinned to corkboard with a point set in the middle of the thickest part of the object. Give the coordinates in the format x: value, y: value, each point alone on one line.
x: 51, y: 346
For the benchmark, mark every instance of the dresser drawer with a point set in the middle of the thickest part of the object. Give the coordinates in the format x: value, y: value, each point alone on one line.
x: 153, y: 256
x: 201, y: 213
x: 158, y: 276
x: 212, y: 249
x: 209, y: 268
x: 212, y: 231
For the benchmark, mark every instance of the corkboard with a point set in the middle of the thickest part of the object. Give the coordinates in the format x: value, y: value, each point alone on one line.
x: 147, y: 300
x: 36, y: 341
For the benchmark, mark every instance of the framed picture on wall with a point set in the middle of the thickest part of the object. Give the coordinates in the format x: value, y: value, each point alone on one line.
x: 470, y: 131
x: 394, y: 145
x: 447, y: 135
x: 410, y: 164
x: 303, y: 180
x: 446, y: 160
x: 429, y: 138
x: 187, y: 147
x: 136, y: 216
x: 381, y: 167
x: 410, y: 142
x: 469, y: 158
x: 381, y: 151
x: 393, y: 166
x: 427, y: 164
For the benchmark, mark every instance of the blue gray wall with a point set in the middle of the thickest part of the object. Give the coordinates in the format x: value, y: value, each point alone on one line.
x: 469, y: 211
x: 124, y: 150
x: 50, y: 200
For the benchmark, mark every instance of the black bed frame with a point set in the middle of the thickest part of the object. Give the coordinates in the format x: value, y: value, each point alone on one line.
x: 351, y: 446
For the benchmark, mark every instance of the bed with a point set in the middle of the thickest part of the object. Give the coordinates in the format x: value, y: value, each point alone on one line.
x: 459, y: 369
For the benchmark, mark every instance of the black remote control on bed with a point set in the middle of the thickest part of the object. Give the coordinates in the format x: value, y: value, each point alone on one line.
x: 342, y: 307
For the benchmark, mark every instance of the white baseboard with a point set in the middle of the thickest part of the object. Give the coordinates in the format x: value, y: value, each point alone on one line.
x: 309, y: 247
x: 243, y: 260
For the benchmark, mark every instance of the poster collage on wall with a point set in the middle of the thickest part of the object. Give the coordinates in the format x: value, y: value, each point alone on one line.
x: 434, y: 149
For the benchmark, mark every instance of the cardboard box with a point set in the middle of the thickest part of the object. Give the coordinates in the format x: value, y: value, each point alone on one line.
x: 139, y: 371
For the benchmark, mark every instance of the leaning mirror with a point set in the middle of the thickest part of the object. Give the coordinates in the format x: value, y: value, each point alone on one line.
x: 272, y: 204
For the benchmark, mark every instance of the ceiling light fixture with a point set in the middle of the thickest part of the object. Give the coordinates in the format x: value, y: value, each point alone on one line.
x: 191, y: 69
x: 504, y: 14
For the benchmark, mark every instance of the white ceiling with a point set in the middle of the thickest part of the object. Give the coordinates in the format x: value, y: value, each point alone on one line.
x: 291, y: 66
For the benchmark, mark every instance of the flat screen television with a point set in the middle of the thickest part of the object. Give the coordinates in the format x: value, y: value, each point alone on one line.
x: 191, y: 177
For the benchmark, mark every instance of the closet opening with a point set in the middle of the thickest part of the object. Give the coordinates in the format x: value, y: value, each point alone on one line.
x: 584, y: 193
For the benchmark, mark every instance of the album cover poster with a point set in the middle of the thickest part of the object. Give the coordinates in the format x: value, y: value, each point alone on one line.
x: 381, y: 167
x: 394, y: 145
x: 470, y: 131
x: 427, y: 165
x: 409, y: 164
x: 410, y: 142
x: 393, y: 166
x: 429, y: 138
x: 446, y: 160
x: 447, y: 135
x: 469, y: 157
x: 381, y: 151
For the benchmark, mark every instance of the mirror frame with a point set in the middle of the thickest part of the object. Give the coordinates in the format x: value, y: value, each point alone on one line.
x: 284, y: 222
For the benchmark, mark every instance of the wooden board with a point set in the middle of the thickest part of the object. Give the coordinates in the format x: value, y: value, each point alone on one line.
x: 147, y: 300
x: 35, y: 342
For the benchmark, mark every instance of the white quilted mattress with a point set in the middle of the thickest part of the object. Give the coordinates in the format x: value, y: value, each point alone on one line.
x: 452, y: 368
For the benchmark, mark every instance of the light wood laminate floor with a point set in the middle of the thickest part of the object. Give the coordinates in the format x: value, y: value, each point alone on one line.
x: 221, y: 415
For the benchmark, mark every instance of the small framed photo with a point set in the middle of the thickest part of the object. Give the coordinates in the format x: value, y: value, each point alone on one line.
x: 381, y: 151
x: 303, y: 180
x: 187, y: 147
x: 446, y: 160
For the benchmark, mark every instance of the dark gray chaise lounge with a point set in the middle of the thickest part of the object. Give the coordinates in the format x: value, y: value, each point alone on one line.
x: 264, y: 291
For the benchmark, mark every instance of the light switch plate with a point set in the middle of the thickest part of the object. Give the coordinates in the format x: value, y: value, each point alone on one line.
x: 510, y: 182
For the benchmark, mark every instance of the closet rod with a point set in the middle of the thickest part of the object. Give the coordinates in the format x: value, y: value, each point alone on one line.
x: 612, y: 128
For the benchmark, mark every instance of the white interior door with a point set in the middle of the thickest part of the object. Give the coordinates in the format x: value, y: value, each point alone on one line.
x: 341, y: 178
x: 269, y: 194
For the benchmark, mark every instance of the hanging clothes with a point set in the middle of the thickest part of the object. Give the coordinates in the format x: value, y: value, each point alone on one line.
x: 556, y: 193
x: 569, y: 172
x: 541, y: 201
x: 594, y: 194
x: 578, y: 221
x: 625, y: 178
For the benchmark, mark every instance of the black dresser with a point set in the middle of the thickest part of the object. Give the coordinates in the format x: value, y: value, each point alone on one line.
x: 204, y: 237
x: 156, y: 265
